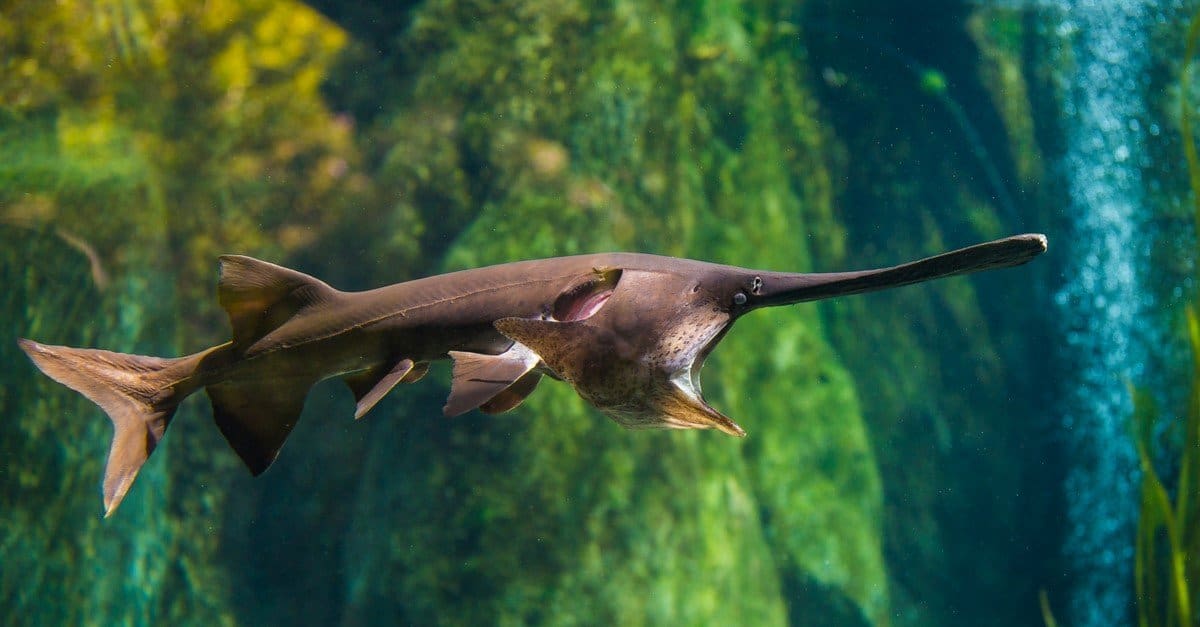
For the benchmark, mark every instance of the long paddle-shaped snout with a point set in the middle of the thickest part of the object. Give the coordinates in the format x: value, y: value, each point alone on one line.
x: 781, y: 288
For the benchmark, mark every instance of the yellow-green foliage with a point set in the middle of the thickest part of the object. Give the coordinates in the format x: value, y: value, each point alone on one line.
x: 138, y: 140
x: 198, y: 123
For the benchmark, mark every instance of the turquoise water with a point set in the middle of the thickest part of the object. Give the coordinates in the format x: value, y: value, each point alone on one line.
x: 953, y: 453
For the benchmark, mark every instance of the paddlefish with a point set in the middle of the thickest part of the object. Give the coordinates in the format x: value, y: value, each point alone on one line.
x: 628, y: 331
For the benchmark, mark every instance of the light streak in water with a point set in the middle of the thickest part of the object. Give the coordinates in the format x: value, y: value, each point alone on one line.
x: 1102, y: 302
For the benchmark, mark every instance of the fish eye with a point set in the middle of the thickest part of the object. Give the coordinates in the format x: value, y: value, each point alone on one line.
x: 756, y: 285
x: 739, y: 298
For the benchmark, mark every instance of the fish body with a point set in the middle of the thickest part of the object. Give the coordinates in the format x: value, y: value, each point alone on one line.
x: 628, y: 331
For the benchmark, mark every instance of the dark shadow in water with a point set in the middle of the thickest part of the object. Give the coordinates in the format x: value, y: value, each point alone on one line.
x: 972, y: 531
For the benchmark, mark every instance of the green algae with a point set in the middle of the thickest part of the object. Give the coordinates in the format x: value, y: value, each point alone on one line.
x: 56, y: 543
x: 571, y: 519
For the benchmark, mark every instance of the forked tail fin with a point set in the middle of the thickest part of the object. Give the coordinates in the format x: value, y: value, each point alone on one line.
x: 139, y: 394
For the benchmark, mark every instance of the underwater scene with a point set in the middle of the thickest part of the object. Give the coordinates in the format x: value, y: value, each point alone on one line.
x: 204, y: 188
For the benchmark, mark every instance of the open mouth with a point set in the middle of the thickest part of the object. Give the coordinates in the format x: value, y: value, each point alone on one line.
x: 705, y: 350
x: 687, y: 381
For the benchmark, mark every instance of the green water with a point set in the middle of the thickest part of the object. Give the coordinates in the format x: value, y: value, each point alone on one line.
x: 905, y: 461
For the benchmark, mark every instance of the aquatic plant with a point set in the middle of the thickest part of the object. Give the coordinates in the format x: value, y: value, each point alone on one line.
x: 1167, y: 548
x: 1166, y: 532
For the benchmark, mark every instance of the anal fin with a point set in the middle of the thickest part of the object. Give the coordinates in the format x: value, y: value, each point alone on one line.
x: 479, y: 378
x: 371, y: 385
x: 256, y: 416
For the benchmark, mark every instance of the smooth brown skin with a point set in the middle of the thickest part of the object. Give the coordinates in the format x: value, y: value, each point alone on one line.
x: 628, y: 331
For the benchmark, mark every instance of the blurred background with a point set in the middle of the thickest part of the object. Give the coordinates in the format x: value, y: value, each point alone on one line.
x: 957, y: 453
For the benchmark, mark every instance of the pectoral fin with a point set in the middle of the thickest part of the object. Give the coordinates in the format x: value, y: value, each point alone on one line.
x: 371, y: 385
x: 478, y: 378
x: 513, y: 395
x: 417, y: 373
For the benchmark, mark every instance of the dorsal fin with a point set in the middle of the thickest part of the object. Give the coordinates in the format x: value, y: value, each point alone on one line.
x: 259, y: 296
